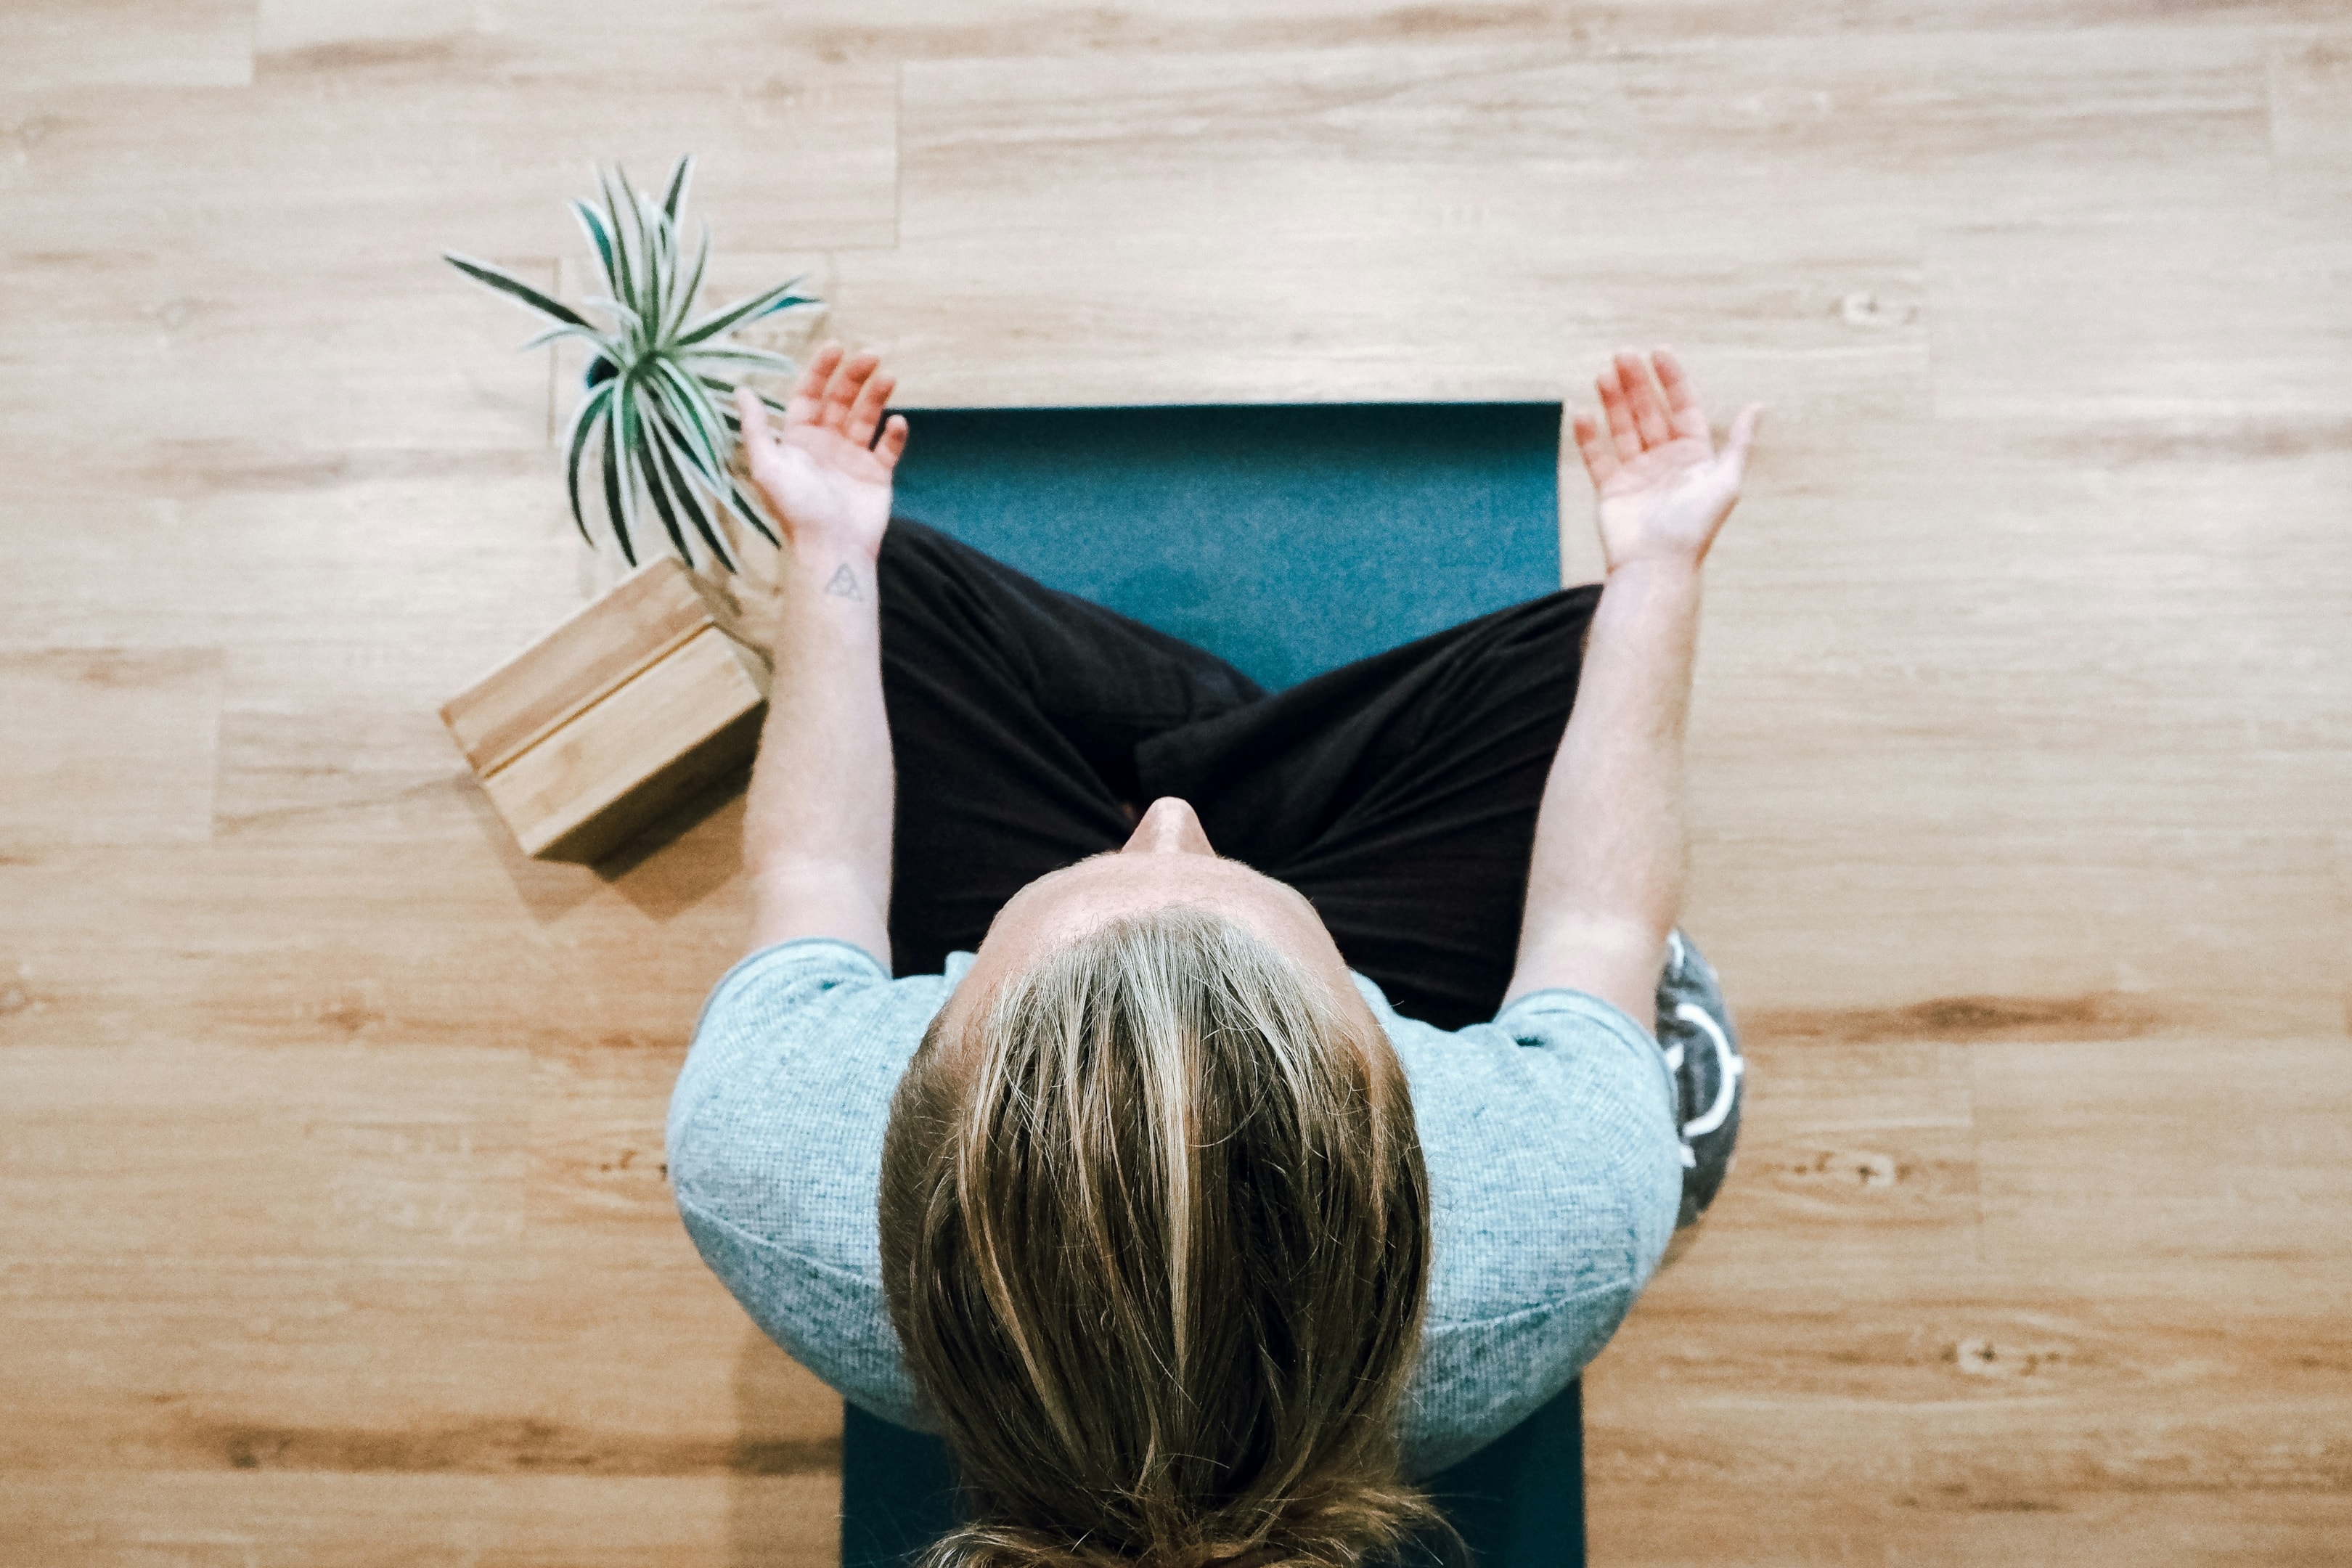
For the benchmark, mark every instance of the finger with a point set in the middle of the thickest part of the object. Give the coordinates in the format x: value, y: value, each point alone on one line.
x: 1743, y: 435
x: 1681, y: 399
x: 892, y: 442
x: 1620, y: 415
x: 841, y: 393
x: 757, y: 437
x: 808, y: 396
x: 1641, y: 395
x: 1600, y: 456
x: 867, y: 411
x: 757, y: 451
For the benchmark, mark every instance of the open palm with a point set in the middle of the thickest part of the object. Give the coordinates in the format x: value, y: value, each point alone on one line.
x: 822, y: 474
x: 1662, y: 488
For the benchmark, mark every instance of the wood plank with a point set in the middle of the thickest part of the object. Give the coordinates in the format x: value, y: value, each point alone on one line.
x: 108, y: 745
x: 1273, y: 325
x: 2196, y: 926
x: 243, y: 1362
x: 331, y: 741
x: 385, y: 350
x: 316, y: 1521
x: 299, y: 1236
x: 1857, y: 1153
x: 110, y: 43
x: 844, y: 30
x: 1872, y: 625
x: 2146, y: 316
x: 436, y: 563
x: 2137, y: 1152
x: 1956, y: 1390
x: 1659, y: 1523
x: 326, y: 153
x: 2311, y: 126
x: 1914, y: 121
x: 354, y: 27
x: 406, y: 1154
x: 1478, y: 165
x: 296, y: 942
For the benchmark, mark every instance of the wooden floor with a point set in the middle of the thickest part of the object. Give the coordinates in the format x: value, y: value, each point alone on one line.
x: 332, y: 1221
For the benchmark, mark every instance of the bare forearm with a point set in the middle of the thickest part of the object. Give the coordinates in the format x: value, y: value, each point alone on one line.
x: 1605, y: 883
x: 816, y: 826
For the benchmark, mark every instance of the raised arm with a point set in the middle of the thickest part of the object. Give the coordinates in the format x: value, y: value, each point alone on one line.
x: 816, y: 826
x: 1605, y: 884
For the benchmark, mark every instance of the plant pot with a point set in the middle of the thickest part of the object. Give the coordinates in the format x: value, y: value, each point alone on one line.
x: 587, y: 735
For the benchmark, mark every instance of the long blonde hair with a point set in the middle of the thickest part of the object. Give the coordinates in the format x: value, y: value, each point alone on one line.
x: 1155, y: 1236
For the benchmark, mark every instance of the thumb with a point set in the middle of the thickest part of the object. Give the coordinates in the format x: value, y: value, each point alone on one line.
x: 1743, y: 434
x: 755, y: 416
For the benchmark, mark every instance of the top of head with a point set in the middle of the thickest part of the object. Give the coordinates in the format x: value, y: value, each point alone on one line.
x: 1155, y: 1238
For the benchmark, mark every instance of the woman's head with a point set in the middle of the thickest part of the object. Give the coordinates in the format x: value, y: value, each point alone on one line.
x: 1155, y: 1236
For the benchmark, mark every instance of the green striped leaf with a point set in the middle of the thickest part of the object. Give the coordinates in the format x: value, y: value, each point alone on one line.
x: 751, y: 512
x: 584, y: 422
x: 682, y: 403
x: 685, y: 296
x: 727, y: 318
x: 508, y: 283
x: 600, y: 240
x: 624, y: 275
x: 642, y: 456
x: 765, y: 359
x: 692, y: 507
x: 613, y: 512
x: 632, y: 323
x: 676, y: 197
x: 603, y: 340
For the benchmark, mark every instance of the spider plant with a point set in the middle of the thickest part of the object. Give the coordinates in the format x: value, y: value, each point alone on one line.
x: 657, y: 405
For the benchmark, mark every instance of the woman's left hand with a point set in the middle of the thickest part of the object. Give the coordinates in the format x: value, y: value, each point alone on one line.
x: 1662, y: 485
x: 822, y: 474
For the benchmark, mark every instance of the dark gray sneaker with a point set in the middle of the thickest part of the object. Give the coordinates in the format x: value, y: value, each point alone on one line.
x: 1695, y: 1030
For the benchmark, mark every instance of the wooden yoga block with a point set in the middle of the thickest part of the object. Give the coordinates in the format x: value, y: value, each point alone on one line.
x: 593, y: 729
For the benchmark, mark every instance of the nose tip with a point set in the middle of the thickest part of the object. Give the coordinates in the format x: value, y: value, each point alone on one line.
x: 1170, y: 828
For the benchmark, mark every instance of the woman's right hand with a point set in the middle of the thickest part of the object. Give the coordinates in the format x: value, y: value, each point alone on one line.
x: 1663, y: 488
x: 823, y: 474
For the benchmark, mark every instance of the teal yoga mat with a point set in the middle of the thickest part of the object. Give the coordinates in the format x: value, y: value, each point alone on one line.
x: 1288, y: 538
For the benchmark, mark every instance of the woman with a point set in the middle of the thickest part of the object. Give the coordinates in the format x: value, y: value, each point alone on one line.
x: 1267, y: 1108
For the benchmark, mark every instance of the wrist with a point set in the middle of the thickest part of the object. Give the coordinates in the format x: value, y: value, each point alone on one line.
x: 827, y: 572
x: 1664, y: 570
x: 823, y: 554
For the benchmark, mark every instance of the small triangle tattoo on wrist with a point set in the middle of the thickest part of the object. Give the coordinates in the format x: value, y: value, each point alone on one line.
x: 845, y: 584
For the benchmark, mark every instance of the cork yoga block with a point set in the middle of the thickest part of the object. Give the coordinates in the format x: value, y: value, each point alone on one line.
x: 584, y: 736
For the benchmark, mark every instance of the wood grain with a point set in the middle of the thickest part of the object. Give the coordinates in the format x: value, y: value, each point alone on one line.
x: 332, y: 1223
x: 577, y: 791
x: 2126, y: 317
x: 326, y: 146
x: 388, y: 349
x: 2151, y: 1190
x: 582, y: 658
x: 2310, y: 124
x: 109, y: 744
x: 338, y: 1521
x: 147, y: 43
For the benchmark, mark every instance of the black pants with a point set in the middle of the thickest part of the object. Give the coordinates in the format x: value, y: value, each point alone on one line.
x: 1399, y: 794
